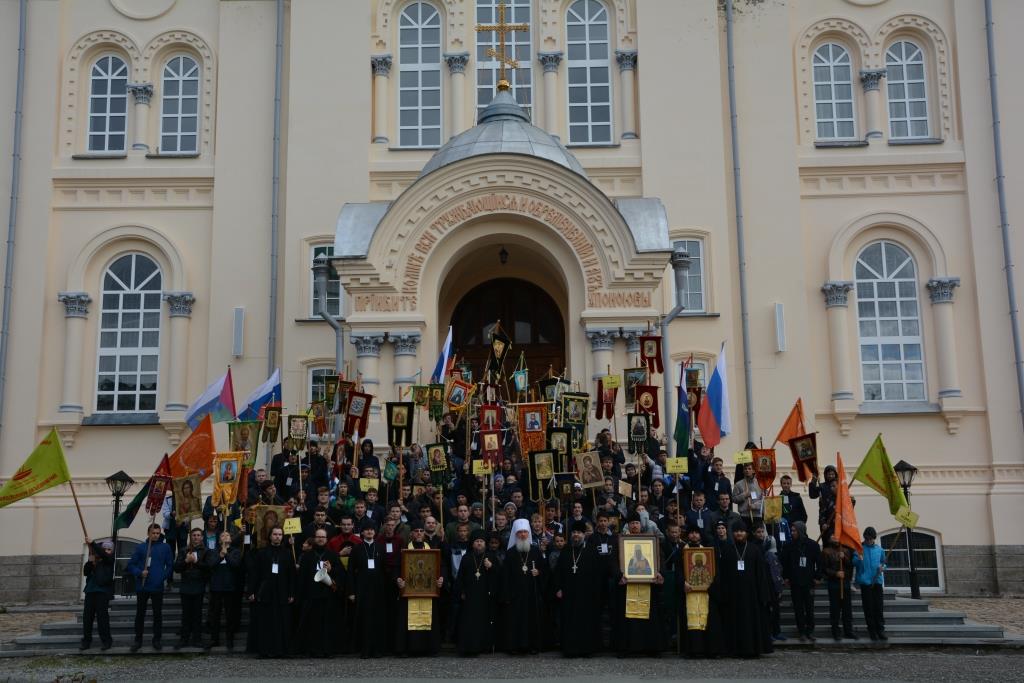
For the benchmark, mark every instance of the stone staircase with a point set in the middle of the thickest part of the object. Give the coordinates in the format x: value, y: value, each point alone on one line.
x: 908, y: 623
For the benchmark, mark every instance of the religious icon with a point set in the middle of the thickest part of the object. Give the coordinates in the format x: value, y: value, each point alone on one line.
x: 437, y: 455
x: 399, y: 416
x: 491, y: 442
x: 227, y: 472
x: 521, y: 379
x: 650, y: 348
x: 420, y: 394
x: 638, y: 428
x: 420, y: 571
x: 267, y: 517
x: 533, y: 421
x: 187, y: 502
x: 356, y: 406
x: 589, y: 470
x: 699, y: 568
x: 458, y: 393
x: 437, y: 392
x: 418, y: 490
x: 638, y: 558
x: 543, y: 465
x: 271, y: 423
x: 575, y: 411
x: 490, y: 418
x: 633, y: 377
x: 558, y: 441
x: 242, y: 438
x: 765, y: 464
x: 298, y: 427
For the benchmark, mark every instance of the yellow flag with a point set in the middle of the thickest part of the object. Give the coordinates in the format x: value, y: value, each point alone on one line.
x: 45, y: 468
x: 876, y: 471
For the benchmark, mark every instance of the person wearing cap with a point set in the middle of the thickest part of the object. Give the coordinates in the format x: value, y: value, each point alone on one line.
x: 99, y: 589
x: 801, y: 571
x: 742, y: 592
x: 319, y: 577
x: 698, y: 614
x: 579, y: 581
x: 524, y: 576
x: 368, y: 590
x: 869, y: 566
x: 723, y: 511
x: 476, y: 589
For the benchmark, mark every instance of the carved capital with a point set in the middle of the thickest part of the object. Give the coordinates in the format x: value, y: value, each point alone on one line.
x: 550, y: 61
x: 457, y: 62
x: 632, y: 338
x: 142, y: 92
x: 836, y: 293
x: 870, y: 78
x: 940, y: 289
x: 626, y: 59
x: 180, y: 303
x: 381, y: 65
x: 367, y: 345
x: 405, y: 344
x: 602, y: 340
x: 76, y: 304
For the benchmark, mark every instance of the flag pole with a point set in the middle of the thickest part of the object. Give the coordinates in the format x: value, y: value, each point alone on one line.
x: 78, y: 507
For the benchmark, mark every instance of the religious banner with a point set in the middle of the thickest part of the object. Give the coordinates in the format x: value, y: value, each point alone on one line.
x: 632, y: 378
x: 772, y: 509
x: 805, y: 453
x: 490, y: 417
x: 521, y: 380
x: 341, y: 398
x: 638, y: 600
x: 606, y: 399
x: 764, y: 467
x: 533, y: 421
x: 565, y: 485
x: 437, y: 459
x: 458, y: 394
x: 298, y: 430
x: 266, y: 518
x: 647, y: 402
x: 330, y: 390
x: 638, y: 558
x: 693, y: 390
x: 358, y: 413
x: 227, y: 470
x: 560, y: 441
x: 436, y: 402
x: 552, y: 388
x: 420, y: 395
x: 319, y: 411
x: 638, y: 426
x: 420, y: 571
x: 188, y: 504
x: 400, y: 417
x: 541, y: 471
x: 490, y: 446
x: 575, y: 411
x: 245, y: 436
x: 500, y: 344
x: 699, y: 568
x: 588, y: 469
x: 159, y: 485
x: 650, y: 354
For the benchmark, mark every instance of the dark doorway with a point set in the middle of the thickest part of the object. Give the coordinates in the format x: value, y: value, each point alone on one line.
x: 527, y: 314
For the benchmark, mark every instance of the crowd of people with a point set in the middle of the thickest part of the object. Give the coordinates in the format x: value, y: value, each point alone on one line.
x: 517, y: 574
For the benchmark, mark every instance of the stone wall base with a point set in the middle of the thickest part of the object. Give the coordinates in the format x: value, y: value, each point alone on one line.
x: 40, y: 579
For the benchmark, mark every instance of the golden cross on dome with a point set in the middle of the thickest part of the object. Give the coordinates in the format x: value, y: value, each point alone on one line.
x: 501, y: 28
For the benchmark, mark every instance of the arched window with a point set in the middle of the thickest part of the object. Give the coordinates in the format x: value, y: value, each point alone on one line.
x: 927, y: 559
x: 108, y: 103
x: 317, y: 387
x: 129, y: 348
x: 419, y: 76
x: 695, y: 276
x: 517, y: 45
x: 833, y: 92
x: 889, y: 320
x: 179, y: 115
x: 908, y: 96
x: 590, y: 86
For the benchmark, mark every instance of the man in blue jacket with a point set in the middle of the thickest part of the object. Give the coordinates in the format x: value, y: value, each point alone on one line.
x: 151, y: 565
x: 869, y: 566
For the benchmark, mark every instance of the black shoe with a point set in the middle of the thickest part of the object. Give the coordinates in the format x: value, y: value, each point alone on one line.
x: 810, y: 637
x: 835, y: 636
x: 135, y: 646
x: 872, y: 635
x: 157, y: 645
x: 882, y: 636
x: 85, y: 645
x: 198, y: 642
x: 230, y: 644
x: 106, y: 646
x: 850, y: 635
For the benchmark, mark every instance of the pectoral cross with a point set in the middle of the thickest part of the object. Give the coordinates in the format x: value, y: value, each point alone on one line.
x: 501, y: 28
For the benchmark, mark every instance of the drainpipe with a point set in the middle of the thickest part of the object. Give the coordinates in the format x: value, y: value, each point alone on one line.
x: 1004, y: 220
x: 741, y: 255
x: 322, y: 271
x: 680, y: 268
x: 275, y: 189
x: 12, y: 216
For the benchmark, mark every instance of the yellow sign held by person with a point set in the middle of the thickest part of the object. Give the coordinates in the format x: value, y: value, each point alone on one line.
x: 907, y: 517
x: 675, y: 466
x: 743, y: 457
x: 292, y: 525
x: 482, y: 468
x: 611, y: 381
x: 44, y: 469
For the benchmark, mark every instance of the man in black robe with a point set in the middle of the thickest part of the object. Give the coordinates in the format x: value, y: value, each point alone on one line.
x: 368, y: 581
x: 742, y: 592
x: 638, y: 636
x: 271, y: 586
x: 579, y: 578
x: 524, y: 575
x: 696, y: 642
x: 320, y: 575
x: 425, y: 642
x: 475, y: 588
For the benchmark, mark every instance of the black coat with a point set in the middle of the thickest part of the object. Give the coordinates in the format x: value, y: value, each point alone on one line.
x: 273, y: 593
x: 370, y: 588
x: 478, y: 603
x: 806, y: 575
x: 580, y: 603
x: 193, y: 575
x: 742, y: 598
x: 522, y: 596
x: 225, y: 572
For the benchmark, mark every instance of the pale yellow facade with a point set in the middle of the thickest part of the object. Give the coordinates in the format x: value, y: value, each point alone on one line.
x: 810, y: 208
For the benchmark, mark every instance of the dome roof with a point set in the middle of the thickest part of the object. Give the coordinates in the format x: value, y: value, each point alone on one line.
x: 503, y: 128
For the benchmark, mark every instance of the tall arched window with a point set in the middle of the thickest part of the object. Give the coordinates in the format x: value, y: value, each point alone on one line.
x: 833, y: 92
x: 908, y: 96
x: 129, y: 348
x: 892, y: 362
x: 927, y: 559
x: 108, y: 103
x: 590, y: 86
x: 517, y: 45
x: 419, y: 76
x: 179, y: 115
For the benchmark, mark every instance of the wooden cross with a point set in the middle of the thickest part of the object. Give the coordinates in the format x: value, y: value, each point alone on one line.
x: 501, y: 28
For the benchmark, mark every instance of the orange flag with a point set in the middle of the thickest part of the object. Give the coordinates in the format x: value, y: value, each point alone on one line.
x: 794, y: 424
x: 195, y: 454
x: 846, y: 521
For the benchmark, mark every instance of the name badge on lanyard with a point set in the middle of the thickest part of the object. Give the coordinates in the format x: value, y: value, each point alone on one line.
x: 288, y: 481
x: 371, y: 564
x: 785, y: 500
x: 716, y: 485
x: 740, y: 565
x: 148, y: 560
x: 700, y: 522
x: 388, y: 547
x: 803, y: 561
x: 273, y: 568
x: 753, y: 495
x: 248, y: 539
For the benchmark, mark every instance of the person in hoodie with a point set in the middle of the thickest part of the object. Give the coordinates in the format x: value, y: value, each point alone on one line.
x: 99, y: 589
x: 801, y: 571
x: 152, y: 564
x: 869, y: 566
x: 224, y: 564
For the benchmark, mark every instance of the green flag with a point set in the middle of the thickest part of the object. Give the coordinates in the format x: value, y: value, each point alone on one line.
x: 125, y: 519
x: 44, y: 469
x: 876, y: 472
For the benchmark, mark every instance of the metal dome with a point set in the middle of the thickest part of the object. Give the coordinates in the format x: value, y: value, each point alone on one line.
x: 503, y: 128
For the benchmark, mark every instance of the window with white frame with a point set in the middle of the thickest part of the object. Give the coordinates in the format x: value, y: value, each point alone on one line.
x: 517, y: 45
x: 833, y: 93
x: 333, y: 286
x: 702, y: 372
x: 927, y: 559
x: 179, y: 113
x: 108, y: 104
x: 129, y: 347
x: 589, y: 67
x: 317, y: 389
x: 908, y: 93
x: 695, y: 276
x: 889, y: 324
x: 419, y: 76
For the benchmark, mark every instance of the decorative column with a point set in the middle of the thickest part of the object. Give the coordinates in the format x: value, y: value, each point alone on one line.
x: 627, y: 74
x: 406, y: 346
x: 142, y: 92
x: 381, y: 71
x: 76, y: 310
x: 457, y: 68
x: 550, y: 61
x: 179, y: 305
x: 836, y: 299
x: 368, y: 360
x: 632, y: 338
x: 602, y: 344
x: 940, y: 290
x: 870, y: 80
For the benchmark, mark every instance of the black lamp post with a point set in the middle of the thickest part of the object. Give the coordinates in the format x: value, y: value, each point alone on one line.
x: 118, y: 484
x: 906, y: 472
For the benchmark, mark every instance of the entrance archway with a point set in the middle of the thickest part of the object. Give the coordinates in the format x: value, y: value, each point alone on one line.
x: 528, y: 315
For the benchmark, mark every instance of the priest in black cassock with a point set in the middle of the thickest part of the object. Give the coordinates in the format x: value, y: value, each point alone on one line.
x: 742, y: 593
x: 367, y: 588
x: 638, y: 636
x: 320, y: 574
x: 476, y: 589
x: 579, y: 579
x: 418, y: 642
x: 524, y: 574
x: 271, y: 586
x: 699, y: 628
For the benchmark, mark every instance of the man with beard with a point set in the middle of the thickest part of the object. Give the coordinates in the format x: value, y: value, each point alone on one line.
x: 475, y: 588
x: 417, y: 642
x: 579, y: 579
x: 742, y: 592
x: 368, y: 592
x: 672, y: 570
x: 698, y: 617
x: 320, y: 574
x: 272, y: 587
x: 638, y: 636
x: 524, y: 575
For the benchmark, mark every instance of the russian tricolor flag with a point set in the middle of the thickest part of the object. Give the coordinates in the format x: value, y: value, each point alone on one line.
x: 265, y: 394
x: 713, y: 418
x: 442, y: 360
x: 218, y: 401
